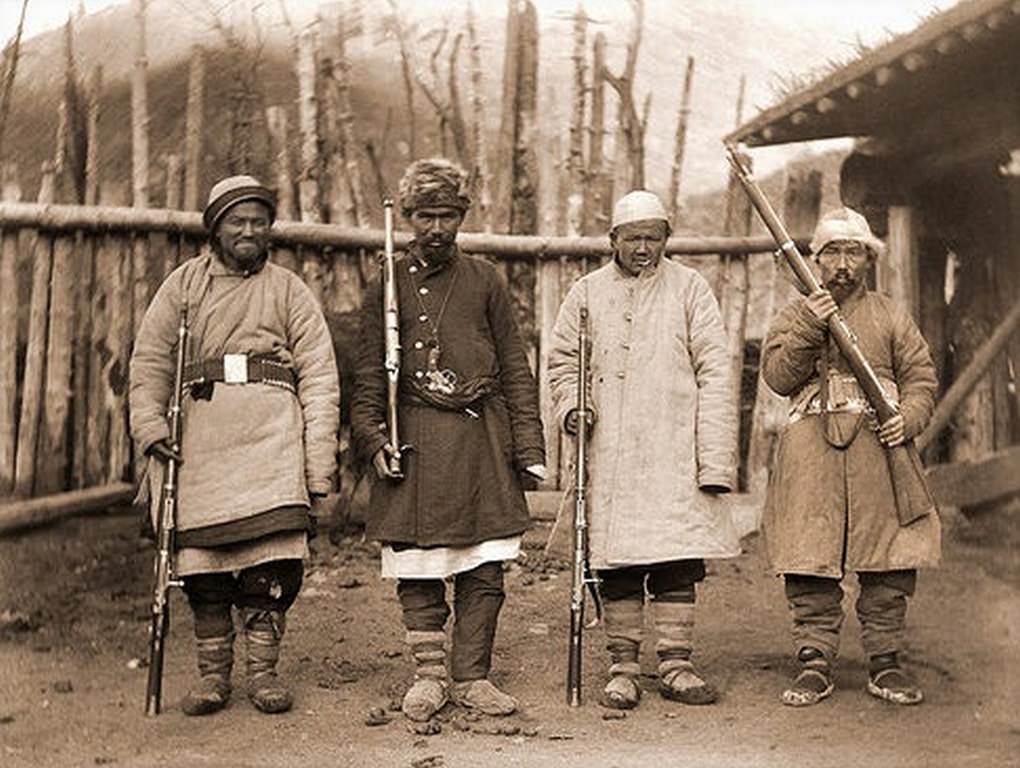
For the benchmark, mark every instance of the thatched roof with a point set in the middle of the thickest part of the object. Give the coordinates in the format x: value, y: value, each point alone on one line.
x: 954, y: 52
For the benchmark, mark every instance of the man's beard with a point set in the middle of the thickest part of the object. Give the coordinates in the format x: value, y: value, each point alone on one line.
x: 438, y: 247
x: 842, y: 285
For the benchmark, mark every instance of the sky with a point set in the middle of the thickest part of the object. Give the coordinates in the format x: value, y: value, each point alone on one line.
x: 869, y: 19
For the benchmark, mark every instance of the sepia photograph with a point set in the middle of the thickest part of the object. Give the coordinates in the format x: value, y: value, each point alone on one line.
x: 533, y: 383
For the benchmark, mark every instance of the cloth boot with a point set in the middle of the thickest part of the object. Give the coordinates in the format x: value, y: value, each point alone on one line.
x: 674, y: 625
x: 428, y: 693
x: 624, y: 622
x: 215, y: 662
x: 478, y: 598
x: 263, y: 631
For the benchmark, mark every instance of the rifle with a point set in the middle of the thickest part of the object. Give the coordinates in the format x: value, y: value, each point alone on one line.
x: 903, y: 459
x: 165, y: 525
x: 391, y: 324
x: 581, y: 576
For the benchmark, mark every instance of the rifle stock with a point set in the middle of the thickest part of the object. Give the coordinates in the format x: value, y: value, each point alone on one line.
x: 904, y: 461
x: 166, y: 524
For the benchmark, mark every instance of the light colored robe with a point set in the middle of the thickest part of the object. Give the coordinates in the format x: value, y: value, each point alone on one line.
x: 667, y: 418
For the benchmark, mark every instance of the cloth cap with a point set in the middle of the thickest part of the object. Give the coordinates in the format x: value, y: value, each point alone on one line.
x: 232, y: 190
x: 844, y: 224
x: 639, y: 205
x: 433, y: 182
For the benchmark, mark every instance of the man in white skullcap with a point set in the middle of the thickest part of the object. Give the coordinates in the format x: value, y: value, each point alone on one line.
x: 835, y: 503
x: 260, y: 420
x: 662, y: 446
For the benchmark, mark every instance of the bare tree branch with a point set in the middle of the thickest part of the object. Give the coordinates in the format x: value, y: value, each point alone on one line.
x: 11, y: 53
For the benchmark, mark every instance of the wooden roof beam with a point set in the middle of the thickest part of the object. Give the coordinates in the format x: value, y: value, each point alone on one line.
x: 914, y: 61
x: 948, y: 44
x: 884, y: 76
x: 995, y: 20
x: 855, y: 90
x: 799, y: 117
x: 972, y: 31
x: 825, y: 105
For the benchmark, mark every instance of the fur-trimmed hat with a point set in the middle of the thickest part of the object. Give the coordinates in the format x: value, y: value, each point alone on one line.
x: 433, y: 182
x: 228, y: 192
x: 639, y: 205
x: 845, y: 224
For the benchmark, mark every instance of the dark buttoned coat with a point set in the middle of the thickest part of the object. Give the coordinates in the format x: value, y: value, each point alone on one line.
x: 461, y: 482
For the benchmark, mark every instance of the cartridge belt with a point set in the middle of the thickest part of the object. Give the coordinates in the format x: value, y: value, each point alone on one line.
x: 240, y: 369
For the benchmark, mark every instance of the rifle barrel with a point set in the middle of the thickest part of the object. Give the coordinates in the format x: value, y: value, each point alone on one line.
x: 884, y: 406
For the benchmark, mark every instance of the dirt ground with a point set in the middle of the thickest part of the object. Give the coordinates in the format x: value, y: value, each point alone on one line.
x: 74, y: 618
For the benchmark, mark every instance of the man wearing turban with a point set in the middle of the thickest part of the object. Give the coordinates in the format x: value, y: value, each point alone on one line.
x: 468, y: 410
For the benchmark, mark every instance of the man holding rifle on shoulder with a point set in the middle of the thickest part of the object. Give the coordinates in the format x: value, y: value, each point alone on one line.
x: 260, y: 420
x: 837, y: 501
x: 449, y: 502
x: 662, y: 446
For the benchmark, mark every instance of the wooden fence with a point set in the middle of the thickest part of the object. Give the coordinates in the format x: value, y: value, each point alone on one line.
x: 75, y: 282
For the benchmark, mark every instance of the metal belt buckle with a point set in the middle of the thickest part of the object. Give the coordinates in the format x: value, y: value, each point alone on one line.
x: 235, y: 369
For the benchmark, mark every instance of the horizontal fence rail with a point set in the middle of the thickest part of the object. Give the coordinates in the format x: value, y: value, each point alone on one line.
x: 75, y: 282
x: 57, y: 218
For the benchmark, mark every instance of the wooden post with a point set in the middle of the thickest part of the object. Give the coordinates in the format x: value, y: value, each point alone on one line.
x: 276, y: 123
x: 410, y: 113
x: 524, y: 203
x: 628, y: 150
x: 575, y: 156
x: 547, y: 305
x: 8, y: 338
x: 173, y: 181
x: 52, y: 463
x: 84, y: 267
x: 679, y: 145
x: 35, y: 356
x: 735, y: 279
x: 97, y: 430
x: 481, y: 175
x: 971, y: 376
x: 139, y: 114
x: 506, y: 143
x: 193, y: 128
x: 970, y: 324
x: 598, y: 191
x: 116, y: 369
x: 92, y: 170
x: 898, y: 271
x: 308, y: 112
x: 60, y: 185
x: 801, y: 204
x: 348, y: 134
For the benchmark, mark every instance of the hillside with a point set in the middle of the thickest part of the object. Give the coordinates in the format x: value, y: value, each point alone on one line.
x: 725, y: 40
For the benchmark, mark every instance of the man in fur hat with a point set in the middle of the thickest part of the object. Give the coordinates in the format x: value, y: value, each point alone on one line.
x: 468, y: 409
x: 831, y: 507
x: 662, y: 448
x: 260, y: 421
